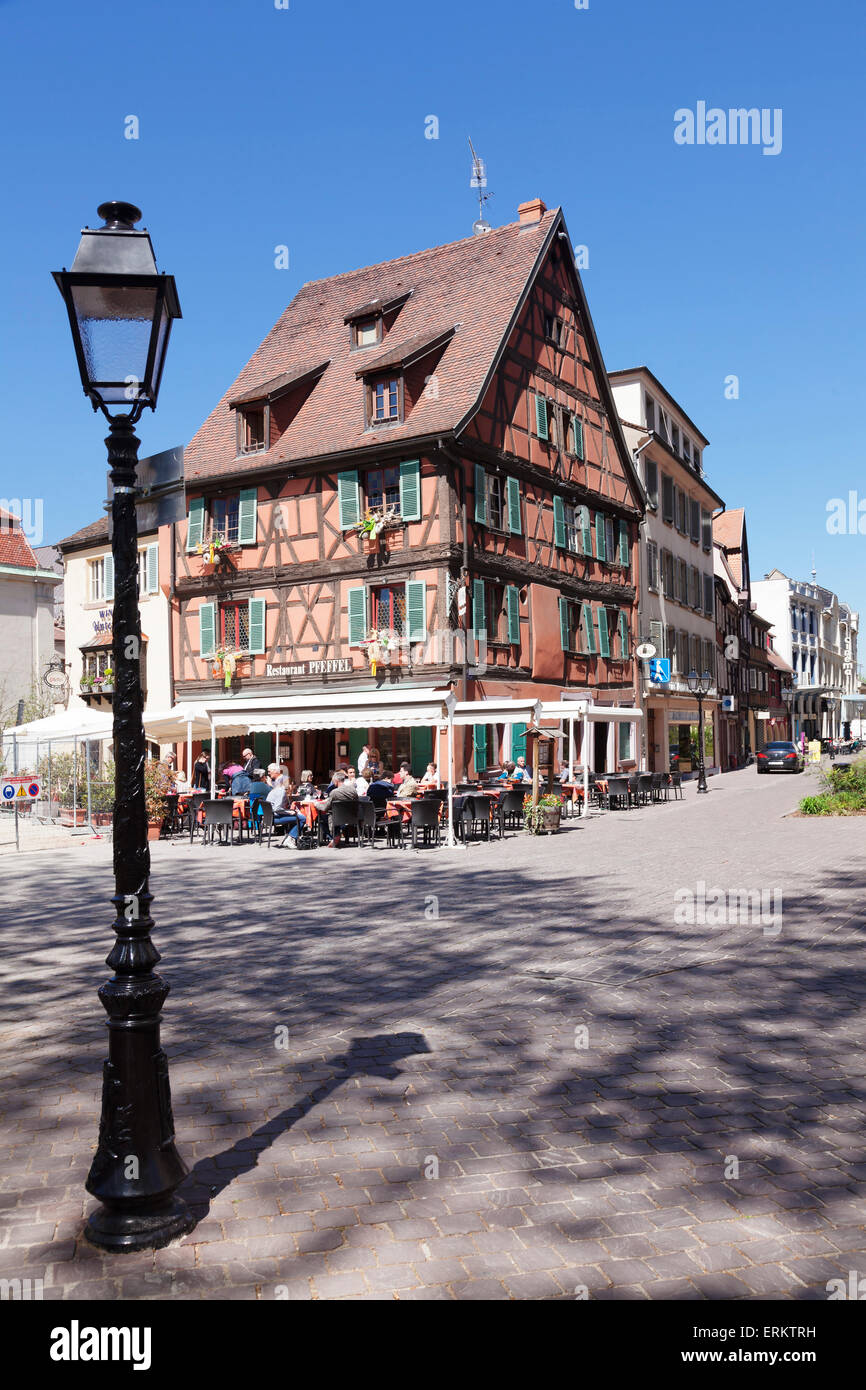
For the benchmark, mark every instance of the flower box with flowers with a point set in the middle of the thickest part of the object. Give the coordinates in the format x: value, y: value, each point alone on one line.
x: 377, y: 520
x: 215, y: 552
x: 382, y: 648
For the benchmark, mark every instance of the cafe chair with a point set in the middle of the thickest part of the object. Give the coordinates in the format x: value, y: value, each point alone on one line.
x: 346, y: 818
x: 366, y: 822
x: 477, y: 819
x: 425, y: 820
x: 617, y: 793
x: 192, y: 812
x: 218, y: 816
x: 644, y: 786
x: 675, y: 784
x: 511, y: 811
x: 264, y: 820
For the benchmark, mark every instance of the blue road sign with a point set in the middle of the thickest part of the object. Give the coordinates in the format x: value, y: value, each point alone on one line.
x: 660, y: 671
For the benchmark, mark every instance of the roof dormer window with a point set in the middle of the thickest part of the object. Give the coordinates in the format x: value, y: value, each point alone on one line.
x: 384, y: 400
x: 252, y: 430
x: 366, y: 332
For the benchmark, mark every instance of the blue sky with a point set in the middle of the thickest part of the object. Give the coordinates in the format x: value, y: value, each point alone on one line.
x: 260, y: 127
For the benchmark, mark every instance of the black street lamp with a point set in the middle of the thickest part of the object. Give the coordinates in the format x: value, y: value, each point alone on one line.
x: 120, y: 311
x: 700, y: 686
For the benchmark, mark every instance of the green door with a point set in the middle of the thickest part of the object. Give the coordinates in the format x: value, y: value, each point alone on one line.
x: 263, y: 747
x: 422, y: 751
x: 357, y: 739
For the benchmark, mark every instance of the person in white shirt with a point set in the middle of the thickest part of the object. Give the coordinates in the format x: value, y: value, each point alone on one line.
x: 364, y: 757
x: 430, y: 778
x: 362, y: 784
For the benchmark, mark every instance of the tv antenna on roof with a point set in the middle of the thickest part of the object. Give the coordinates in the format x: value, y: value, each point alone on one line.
x: 479, y: 181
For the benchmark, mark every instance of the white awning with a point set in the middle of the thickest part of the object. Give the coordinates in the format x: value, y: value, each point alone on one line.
x: 583, y: 709
x: 496, y: 711
x: 67, y: 726
x: 170, y: 726
x: 409, y: 708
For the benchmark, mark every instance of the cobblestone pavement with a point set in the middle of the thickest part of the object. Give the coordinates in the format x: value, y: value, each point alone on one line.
x: 511, y: 1072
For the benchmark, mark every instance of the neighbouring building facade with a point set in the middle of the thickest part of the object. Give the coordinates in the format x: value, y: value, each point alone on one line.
x: 419, y: 479
x: 89, y: 605
x: 816, y: 634
x: 27, y: 644
x: 677, y: 593
x: 731, y: 566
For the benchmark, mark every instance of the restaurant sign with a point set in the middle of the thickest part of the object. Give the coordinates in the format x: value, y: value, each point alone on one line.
x: 311, y: 668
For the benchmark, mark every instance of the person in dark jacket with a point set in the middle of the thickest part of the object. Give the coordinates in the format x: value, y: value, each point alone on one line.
x: 201, y: 772
x: 344, y: 794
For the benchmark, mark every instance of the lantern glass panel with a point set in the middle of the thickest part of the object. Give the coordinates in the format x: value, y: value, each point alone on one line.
x: 115, y: 324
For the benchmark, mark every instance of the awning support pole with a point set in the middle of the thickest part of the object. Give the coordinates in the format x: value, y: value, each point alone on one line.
x: 189, y: 752
x: 212, y: 760
x: 586, y: 764
x: 451, y: 839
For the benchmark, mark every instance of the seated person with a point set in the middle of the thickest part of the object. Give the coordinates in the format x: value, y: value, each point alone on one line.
x: 291, y: 821
x: 402, y: 773
x: 521, y: 772
x: 241, y: 784
x: 408, y: 786
x: 258, y: 790
x: 344, y: 794
x: 381, y: 789
x: 507, y: 773
x: 362, y: 784
x: 431, y: 777
x: 306, y: 787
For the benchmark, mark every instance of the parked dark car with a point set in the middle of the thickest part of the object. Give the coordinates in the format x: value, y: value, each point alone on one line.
x: 780, y: 757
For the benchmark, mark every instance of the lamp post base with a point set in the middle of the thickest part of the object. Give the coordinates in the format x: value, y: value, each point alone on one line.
x: 150, y: 1229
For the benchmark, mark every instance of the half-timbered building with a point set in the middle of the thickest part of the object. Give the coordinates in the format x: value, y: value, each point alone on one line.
x: 419, y: 478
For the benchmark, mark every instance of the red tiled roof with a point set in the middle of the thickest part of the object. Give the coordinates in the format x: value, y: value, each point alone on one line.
x: 14, y: 549
x: 88, y: 535
x: 476, y: 282
x: 728, y: 531
x: 778, y: 662
x: 405, y: 352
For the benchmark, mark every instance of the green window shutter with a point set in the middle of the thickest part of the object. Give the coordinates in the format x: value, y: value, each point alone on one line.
x: 589, y: 629
x: 195, y: 528
x: 420, y: 750
x: 518, y: 741
x: 541, y: 417
x: 410, y: 490
x: 247, y: 516
x: 349, y: 499
x: 513, y: 494
x: 624, y: 549
x: 479, y: 745
x: 577, y: 436
x: 586, y: 530
x: 558, y: 522
x: 152, y: 568
x: 512, y: 609
x: 207, y: 629
x: 480, y: 495
x: 479, y: 614
x: 623, y: 633
x: 416, y: 610
x: 256, y: 627
x: 357, y: 604
x: 563, y: 623
x: 108, y: 577
x: 603, y: 638
x: 599, y: 537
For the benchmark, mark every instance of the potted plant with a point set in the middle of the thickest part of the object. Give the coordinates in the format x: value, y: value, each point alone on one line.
x: 543, y: 818
x: 107, y: 681
x: 382, y: 648
x: 375, y: 521
x: 157, y: 785
x: 86, y: 685
x: 215, y: 551
x: 225, y: 665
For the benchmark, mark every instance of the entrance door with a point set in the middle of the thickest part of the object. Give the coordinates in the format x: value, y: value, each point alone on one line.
x: 600, y: 746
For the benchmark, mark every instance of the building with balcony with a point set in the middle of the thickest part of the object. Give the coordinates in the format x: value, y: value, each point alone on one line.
x: 816, y: 634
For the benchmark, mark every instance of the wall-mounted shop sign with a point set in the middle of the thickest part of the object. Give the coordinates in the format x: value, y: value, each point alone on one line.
x: 311, y: 668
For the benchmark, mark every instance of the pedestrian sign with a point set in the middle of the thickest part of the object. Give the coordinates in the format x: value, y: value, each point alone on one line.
x: 20, y: 789
x: 660, y: 671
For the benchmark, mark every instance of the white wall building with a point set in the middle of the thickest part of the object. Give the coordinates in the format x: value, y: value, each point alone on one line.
x: 89, y: 603
x: 677, y: 586
x: 26, y: 618
x: 817, y: 635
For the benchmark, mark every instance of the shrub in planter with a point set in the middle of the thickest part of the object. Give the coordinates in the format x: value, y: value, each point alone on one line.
x: 157, y: 785
x: 545, y: 817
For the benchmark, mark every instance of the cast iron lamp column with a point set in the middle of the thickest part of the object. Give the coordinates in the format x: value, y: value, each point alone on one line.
x: 700, y: 685
x: 120, y: 311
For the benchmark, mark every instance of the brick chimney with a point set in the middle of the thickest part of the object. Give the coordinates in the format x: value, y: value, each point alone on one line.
x: 531, y: 212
